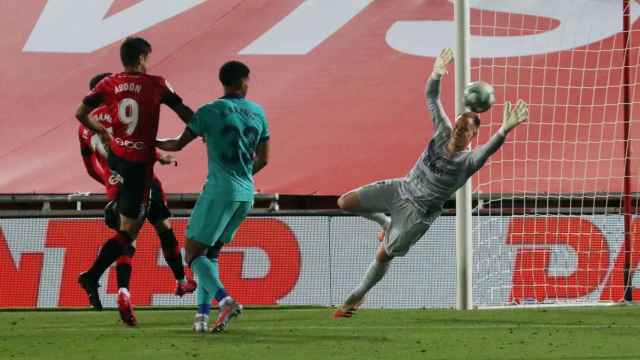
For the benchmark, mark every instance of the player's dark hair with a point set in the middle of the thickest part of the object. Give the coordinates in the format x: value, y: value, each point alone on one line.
x: 232, y: 73
x: 132, y: 48
x: 96, y: 79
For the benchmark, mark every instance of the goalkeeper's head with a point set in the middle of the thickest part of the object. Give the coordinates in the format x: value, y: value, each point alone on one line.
x: 465, y: 129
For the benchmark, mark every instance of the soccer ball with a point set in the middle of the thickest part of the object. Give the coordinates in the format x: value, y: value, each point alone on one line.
x: 479, y: 96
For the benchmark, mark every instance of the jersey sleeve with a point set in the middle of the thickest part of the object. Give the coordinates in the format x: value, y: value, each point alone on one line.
x: 481, y: 154
x: 441, y: 123
x: 169, y: 96
x: 97, y: 95
x: 196, y: 125
x: 266, y: 134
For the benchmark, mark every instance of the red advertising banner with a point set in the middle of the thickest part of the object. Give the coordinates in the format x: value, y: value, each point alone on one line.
x: 335, y: 77
x: 317, y: 260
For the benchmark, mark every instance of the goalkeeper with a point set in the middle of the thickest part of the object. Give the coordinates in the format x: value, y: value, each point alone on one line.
x: 414, y: 202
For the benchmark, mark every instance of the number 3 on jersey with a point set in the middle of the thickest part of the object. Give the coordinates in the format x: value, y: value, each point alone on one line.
x: 128, y: 114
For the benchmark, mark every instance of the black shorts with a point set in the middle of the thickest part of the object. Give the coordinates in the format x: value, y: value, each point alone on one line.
x: 158, y: 209
x: 134, y: 181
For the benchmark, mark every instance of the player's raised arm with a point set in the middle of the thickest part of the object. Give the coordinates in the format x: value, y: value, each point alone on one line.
x: 178, y: 143
x: 512, y: 117
x: 432, y: 91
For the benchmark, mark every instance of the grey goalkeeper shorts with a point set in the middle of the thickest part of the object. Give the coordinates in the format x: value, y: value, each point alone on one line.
x: 408, y: 223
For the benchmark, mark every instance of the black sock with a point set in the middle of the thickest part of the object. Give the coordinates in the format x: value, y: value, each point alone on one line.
x: 109, y: 252
x: 123, y: 272
x: 171, y: 253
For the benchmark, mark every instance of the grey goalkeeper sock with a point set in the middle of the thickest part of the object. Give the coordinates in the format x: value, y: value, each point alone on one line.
x: 374, y: 274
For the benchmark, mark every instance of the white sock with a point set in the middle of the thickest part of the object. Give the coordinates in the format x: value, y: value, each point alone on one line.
x: 374, y: 274
x: 382, y: 219
x: 123, y: 290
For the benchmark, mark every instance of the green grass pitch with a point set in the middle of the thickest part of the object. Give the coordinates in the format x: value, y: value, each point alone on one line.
x: 576, y: 333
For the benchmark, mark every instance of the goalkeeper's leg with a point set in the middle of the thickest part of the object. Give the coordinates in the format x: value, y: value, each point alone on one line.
x: 372, y: 201
x: 407, y: 226
x: 377, y: 269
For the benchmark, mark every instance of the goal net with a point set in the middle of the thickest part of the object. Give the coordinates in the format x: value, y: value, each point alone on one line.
x: 549, y: 207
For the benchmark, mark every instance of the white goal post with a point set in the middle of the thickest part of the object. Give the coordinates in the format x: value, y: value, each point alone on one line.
x: 551, y: 217
x: 464, y: 245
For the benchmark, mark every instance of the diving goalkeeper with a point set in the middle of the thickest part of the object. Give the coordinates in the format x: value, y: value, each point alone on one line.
x: 415, y: 201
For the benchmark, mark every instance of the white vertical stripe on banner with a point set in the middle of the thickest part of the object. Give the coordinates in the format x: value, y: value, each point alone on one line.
x: 50, y: 278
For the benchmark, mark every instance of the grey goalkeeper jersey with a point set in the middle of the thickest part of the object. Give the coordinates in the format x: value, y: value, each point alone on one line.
x: 436, y: 175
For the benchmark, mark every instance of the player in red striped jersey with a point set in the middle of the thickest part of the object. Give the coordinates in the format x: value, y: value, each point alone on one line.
x: 94, y: 156
x: 132, y: 99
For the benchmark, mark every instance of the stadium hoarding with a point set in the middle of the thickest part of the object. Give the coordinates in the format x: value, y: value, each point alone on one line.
x: 349, y: 73
x: 317, y: 260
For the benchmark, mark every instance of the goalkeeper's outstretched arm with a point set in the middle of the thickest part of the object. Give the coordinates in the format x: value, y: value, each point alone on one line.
x: 432, y: 91
x: 511, y: 118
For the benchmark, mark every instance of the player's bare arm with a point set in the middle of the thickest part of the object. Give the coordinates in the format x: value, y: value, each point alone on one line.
x: 178, y: 143
x: 262, y: 157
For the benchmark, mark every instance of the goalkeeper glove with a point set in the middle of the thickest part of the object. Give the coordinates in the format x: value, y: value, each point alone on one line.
x: 514, y: 117
x: 442, y: 62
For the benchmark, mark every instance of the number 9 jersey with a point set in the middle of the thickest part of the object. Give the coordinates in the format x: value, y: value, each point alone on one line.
x: 135, y: 100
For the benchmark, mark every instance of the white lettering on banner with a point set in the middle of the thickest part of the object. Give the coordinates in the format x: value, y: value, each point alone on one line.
x: 318, y: 260
x: 31, y: 239
x: 582, y: 22
x: 255, y: 265
x: 71, y: 26
x: 311, y: 23
x: 255, y: 262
